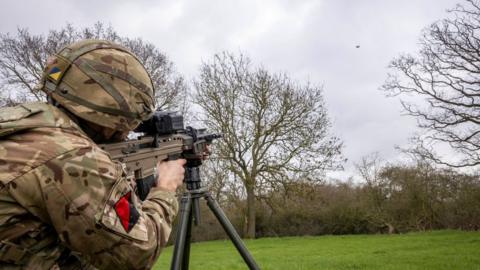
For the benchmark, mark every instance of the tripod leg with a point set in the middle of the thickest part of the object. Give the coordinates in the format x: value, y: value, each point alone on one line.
x: 186, y: 249
x: 230, y: 230
x: 185, y: 213
x: 196, y: 211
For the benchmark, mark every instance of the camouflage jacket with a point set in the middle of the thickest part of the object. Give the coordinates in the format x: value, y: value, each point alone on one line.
x: 60, y: 194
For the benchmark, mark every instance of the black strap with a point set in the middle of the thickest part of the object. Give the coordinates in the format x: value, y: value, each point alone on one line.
x: 119, y: 74
x: 107, y: 86
x: 65, y: 93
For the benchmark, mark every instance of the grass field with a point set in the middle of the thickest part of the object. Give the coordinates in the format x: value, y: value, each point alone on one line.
x: 429, y: 250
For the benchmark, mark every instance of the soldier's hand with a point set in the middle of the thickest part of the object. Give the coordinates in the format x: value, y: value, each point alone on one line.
x: 170, y: 174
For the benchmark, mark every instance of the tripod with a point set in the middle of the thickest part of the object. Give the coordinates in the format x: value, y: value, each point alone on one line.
x: 190, y: 211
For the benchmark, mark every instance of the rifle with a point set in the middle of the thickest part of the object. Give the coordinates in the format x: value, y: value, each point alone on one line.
x: 165, y: 138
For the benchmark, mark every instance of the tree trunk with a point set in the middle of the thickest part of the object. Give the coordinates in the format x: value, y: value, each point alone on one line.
x: 391, y: 228
x: 250, y: 212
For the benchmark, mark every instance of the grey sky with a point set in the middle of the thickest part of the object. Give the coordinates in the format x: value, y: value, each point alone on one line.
x: 310, y: 40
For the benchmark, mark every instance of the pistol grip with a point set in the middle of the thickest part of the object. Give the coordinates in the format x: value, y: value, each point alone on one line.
x: 144, y: 185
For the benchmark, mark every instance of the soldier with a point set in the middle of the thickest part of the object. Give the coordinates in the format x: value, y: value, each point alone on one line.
x: 64, y: 204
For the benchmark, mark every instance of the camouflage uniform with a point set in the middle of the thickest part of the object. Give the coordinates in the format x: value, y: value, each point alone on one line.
x: 63, y: 202
x: 58, y: 192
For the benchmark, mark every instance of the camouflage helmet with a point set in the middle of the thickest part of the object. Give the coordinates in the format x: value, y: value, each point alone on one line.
x: 101, y: 82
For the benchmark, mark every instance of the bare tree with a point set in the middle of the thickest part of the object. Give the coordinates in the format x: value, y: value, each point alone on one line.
x: 446, y: 76
x: 377, y: 191
x: 274, y: 129
x: 23, y: 57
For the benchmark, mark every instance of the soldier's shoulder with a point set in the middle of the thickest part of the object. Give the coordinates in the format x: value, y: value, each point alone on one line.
x: 34, y: 134
x: 27, y: 116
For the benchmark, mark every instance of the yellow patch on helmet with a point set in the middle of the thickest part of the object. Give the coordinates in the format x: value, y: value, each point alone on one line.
x: 55, y: 73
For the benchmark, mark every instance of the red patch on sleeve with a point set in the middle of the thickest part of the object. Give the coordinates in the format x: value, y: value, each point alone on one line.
x: 127, y: 213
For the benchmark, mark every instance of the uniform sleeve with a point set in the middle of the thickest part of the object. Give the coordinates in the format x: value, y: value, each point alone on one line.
x: 97, y: 214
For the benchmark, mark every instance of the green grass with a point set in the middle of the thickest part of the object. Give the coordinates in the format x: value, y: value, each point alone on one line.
x: 429, y: 250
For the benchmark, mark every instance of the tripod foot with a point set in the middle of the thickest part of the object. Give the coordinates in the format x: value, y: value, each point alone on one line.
x: 232, y: 233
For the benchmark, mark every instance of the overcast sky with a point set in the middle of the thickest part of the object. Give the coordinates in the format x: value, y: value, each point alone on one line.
x: 310, y: 40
